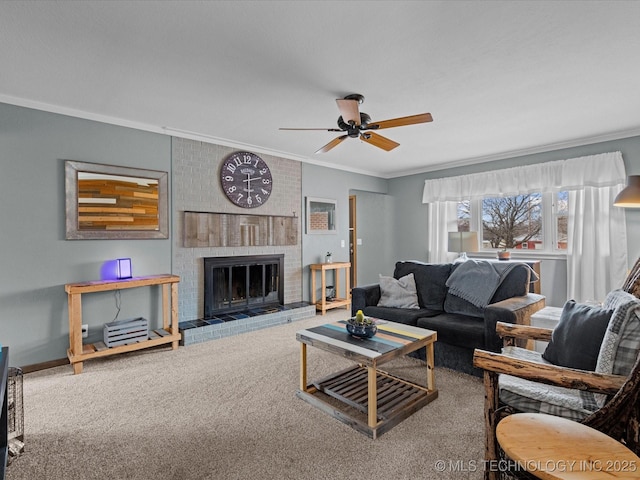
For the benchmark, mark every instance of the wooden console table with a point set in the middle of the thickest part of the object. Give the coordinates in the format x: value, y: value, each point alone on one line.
x: 323, y: 305
x: 169, y: 333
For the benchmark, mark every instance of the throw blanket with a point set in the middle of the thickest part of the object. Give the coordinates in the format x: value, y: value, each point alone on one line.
x: 477, y: 281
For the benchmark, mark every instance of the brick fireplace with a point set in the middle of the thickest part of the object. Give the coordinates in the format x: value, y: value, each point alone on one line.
x: 242, y: 283
x: 196, y: 188
x: 242, y: 293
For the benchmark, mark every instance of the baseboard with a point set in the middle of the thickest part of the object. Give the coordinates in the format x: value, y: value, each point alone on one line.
x: 44, y: 365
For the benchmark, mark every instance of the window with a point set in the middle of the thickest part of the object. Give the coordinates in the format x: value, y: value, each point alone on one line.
x: 535, y: 221
x: 561, y: 220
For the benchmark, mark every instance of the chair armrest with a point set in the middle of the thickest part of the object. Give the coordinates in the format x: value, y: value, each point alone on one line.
x: 364, y: 296
x: 509, y: 331
x: 548, y: 374
x: 515, y: 310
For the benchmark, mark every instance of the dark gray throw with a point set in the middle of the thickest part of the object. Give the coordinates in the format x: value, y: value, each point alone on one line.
x: 476, y: 280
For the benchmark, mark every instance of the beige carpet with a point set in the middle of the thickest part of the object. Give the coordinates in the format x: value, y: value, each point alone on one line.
x: 227, y: 409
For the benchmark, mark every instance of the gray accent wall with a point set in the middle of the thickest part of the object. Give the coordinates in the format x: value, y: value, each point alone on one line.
x: 36, y: 261
x: 323, y: 182
x: 410, y: 217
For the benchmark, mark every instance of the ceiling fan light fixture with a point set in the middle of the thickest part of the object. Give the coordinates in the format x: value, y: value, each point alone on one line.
x: 355, y: 96
x: 629, y: 197
x: 353, y: 123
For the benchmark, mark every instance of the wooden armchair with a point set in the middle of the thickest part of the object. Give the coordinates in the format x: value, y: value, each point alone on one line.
x: 618, y: 418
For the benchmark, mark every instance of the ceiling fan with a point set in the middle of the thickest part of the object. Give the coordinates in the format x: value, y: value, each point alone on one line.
x: 355, y: 123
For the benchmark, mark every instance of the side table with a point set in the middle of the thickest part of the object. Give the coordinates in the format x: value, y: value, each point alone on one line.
x: 323, y: 304
x: 169, y: 333
x: 555, y: 448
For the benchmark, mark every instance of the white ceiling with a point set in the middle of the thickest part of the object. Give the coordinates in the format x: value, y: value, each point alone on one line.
x: 500, y: 78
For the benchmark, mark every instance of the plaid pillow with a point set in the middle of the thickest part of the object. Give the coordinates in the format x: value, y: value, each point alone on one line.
x: 621, y: 342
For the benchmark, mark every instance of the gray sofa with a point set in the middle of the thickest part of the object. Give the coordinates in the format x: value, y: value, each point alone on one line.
x: 461, y: 326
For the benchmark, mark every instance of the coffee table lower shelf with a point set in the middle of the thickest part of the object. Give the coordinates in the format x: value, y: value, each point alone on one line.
x: 396, y: 399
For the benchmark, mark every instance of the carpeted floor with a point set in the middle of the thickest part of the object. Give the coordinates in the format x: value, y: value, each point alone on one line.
x: 227, y: 409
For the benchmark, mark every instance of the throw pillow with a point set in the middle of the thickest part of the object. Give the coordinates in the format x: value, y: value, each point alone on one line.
x: 621, y: 341
x: 576, y: 340
x: 400, y: 293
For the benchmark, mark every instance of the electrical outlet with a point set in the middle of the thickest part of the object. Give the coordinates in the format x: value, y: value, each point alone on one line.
x: 85, y: 331
x: 342, y: 243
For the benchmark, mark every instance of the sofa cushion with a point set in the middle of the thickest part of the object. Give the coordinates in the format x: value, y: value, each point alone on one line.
x: 398, y: 293
x: 576, y: 340
x: 430, y: 281
x: 408, y: 316
x: 454, y: 329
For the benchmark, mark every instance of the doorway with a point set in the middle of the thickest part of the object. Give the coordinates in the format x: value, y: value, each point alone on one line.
x: 353, y: 244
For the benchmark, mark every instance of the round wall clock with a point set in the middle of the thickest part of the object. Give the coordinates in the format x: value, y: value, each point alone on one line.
x: 246, y: 179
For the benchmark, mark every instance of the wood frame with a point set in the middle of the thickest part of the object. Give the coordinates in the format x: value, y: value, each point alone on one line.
x: 73, y: 229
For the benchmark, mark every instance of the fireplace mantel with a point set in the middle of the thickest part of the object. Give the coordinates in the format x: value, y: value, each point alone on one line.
x: 205, y: 229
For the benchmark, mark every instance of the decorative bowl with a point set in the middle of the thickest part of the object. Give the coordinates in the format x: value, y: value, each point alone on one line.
x: 361, y: 331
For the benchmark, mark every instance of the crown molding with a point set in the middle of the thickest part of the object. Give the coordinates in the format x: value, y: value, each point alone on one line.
x: 550, y: 147
x: 72, y: 112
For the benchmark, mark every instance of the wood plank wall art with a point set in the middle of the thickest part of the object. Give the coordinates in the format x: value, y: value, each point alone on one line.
x: 115, y: 204
x: 205, y: 229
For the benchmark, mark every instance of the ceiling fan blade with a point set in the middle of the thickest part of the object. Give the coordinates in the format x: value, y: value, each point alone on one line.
x: 332, y: 143
x: 323, y: 129
x: 349, y: 110
x: 401, y: 121
x: 379, y: 141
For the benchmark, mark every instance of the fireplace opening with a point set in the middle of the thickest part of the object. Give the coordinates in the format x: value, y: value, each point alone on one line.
x: 237, y: 283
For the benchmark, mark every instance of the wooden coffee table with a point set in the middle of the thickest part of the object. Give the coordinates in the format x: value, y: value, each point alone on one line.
x: 385, y: 399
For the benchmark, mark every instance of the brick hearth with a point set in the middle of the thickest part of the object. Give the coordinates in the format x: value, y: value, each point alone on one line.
x: 197, y: 331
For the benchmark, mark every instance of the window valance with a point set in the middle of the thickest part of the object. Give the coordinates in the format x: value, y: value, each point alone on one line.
x: 605, y: 169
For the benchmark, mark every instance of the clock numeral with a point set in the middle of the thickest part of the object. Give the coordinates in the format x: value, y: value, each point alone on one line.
x: 228, y: 178
x: 258, y: 198
x: 262, y: 171
x: 231, y: 167
x: 249, y: 201
x: 266, y: 181
x: 264, y: 192
x: 231, y: 189
x: 239, y: 197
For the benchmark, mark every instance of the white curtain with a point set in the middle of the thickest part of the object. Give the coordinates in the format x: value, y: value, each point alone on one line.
x: 596, y: 255
x: 445, y: 214
x: 597, y: 251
